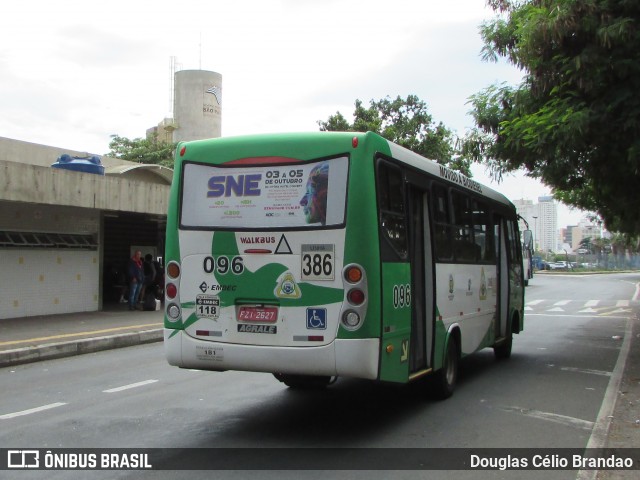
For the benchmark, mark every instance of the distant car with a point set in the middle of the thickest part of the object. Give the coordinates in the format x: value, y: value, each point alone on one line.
x: 557, y: 266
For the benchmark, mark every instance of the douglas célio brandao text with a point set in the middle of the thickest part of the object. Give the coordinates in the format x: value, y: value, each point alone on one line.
x: 551, y: 462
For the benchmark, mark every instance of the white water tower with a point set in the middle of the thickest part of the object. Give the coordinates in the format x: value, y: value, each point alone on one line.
x: 197, y: 105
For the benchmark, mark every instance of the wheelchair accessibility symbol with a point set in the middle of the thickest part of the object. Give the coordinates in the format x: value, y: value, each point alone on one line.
x: 317, y: 318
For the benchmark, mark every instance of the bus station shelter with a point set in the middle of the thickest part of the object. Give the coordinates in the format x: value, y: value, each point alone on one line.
x: 66, y: 235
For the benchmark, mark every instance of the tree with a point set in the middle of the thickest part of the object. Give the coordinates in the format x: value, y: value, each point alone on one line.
x: 574, y: 121
x: 619, y: 246
x: 405, y: 122
x: 586, y: 243
x: 142, y: 150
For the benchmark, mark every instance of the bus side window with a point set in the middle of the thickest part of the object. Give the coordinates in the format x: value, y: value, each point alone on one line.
x: 483, y: 232
x: 442, y: 229
x: 444, y: 244
x: 496, y: 235
x: 392, y: 210
x: 465, y: 248
x: 513, y: 240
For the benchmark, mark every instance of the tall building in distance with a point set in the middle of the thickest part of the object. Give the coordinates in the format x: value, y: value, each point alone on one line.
x: 525, y: 209
x: 547, y: 224
x: 542, y: 218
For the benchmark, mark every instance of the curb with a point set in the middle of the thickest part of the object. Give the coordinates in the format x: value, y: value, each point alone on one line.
x: 52, y: 351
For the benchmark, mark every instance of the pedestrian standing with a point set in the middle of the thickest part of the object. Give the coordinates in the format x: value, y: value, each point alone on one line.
x: 136, y: 277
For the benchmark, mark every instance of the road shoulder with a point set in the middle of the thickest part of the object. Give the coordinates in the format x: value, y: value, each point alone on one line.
x: 624, y: 430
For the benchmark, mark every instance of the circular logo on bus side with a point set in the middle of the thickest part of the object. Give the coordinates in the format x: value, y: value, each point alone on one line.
x: 287, y: 287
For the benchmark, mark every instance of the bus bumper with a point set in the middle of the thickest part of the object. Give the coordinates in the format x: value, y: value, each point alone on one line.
x: 356, y: 358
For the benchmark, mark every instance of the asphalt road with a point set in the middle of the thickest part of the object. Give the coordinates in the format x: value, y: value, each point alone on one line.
x: 551, y: 393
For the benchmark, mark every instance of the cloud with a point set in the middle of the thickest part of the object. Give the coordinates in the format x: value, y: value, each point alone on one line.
x: 95, y: 49
x: 286, y: 64
x: 439, y: 64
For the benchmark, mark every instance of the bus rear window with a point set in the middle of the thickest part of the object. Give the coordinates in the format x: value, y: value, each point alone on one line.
x: 254, y: 197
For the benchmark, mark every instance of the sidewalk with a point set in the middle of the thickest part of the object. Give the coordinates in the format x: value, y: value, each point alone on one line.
x: 624, y: 427
x: 31, y: 339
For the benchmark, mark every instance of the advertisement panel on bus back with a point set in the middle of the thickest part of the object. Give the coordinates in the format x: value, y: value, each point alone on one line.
x: 289, y: 196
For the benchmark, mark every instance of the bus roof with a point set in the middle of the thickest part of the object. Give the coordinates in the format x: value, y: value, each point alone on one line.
x: 418, y: 161
x: 248, y: 142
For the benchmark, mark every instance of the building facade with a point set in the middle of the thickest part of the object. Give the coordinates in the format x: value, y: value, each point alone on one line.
x: 64, y: 233
x: 547, y: 224
x: 584, y: 229
x: 66, y: 236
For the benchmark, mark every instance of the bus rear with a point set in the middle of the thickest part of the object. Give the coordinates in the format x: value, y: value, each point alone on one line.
x: 263, y: 273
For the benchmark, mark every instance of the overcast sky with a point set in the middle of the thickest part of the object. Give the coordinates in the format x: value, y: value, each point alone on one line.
x: 72, y: 73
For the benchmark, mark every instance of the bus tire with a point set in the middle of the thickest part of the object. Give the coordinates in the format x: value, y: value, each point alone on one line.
x: 503, y: 351
x: 303, y: 382
x: 445, y: 379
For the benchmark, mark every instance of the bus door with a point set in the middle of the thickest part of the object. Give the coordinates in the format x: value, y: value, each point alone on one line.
x: 404, y: 249
x: 422, y: 291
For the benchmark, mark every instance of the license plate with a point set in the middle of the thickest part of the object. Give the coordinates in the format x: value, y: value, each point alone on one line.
x: 258, y: 314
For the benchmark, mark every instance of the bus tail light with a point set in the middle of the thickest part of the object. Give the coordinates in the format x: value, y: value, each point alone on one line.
x: 356, y: 297
x: 351, y: 320
x: 171, y: 291
x: 173, y: 270
x: 173, y: 312
x: 353, y: 274
x: 354, y: 307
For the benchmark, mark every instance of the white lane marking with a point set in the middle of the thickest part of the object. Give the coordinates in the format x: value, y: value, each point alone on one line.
x: 636, y: 295
x: 588, y: 310
x: 555, y: 309
x: 31, y: 410
x: 535, y: 302
x: 592, y: 303
x: 622, y: 303
x: 552, y: 417
x: 131, y: 385
x: 586, y: 370
x: 561, y: 303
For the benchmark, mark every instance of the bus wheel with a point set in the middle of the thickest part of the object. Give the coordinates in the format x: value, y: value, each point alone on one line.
x: 444, y: 381
x: 308, y: 382
x: 503, y: 350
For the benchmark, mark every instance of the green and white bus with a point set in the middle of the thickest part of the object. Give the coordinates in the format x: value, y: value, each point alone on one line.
x: 318, y: 255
